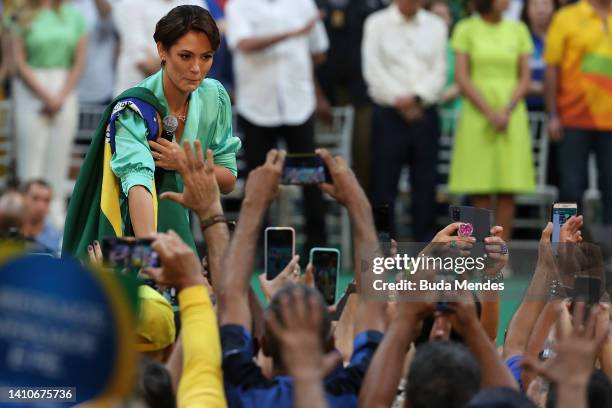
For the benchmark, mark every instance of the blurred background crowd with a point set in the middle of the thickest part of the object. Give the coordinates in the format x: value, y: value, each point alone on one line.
x: 502, y: 104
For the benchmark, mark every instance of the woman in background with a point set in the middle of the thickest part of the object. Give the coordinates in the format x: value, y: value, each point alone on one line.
x: 49, y: 50
x: 537, y: 14
x: 492, y: 157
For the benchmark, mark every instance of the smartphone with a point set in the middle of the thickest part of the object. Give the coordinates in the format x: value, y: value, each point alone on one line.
x: 480, y: 218
x: 279, y: 249
x: 587, y: 289
x: 130, y: 252
x: 560, y: 213
x: 326, y: 270
x: 305, y: 169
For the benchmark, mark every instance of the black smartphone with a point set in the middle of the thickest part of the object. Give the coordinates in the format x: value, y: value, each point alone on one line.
x: 279, y: 249
x: 129, y: 252
x: 326, y: 270
x: 587, y: 289
x: 479, y: 218
x: 305, y: 169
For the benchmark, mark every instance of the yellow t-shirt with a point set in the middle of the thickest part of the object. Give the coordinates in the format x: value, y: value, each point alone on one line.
x: 580, y: 45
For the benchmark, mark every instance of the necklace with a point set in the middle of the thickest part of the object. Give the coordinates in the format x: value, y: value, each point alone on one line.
x: 182, y: 117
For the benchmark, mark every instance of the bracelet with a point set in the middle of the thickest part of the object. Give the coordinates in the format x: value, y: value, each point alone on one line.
x: 212, y: 221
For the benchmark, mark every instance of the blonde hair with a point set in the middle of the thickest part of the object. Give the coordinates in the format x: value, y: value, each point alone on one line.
x: 24, y: 12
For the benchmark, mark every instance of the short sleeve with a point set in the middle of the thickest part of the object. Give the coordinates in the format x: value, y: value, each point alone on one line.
x: 525, y: 42
x: 318, y: 41
x: 132, y: 161
x: 237, y: 23
x: 224, y: 144
x: 460, y: 41
x: 553, y: 48
x: 80, y: 24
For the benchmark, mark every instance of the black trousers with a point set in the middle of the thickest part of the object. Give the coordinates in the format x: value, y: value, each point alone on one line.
x: 396, y: 142
x: 258, y: 140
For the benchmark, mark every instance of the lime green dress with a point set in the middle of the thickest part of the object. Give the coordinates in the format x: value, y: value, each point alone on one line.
x: 485, y: 161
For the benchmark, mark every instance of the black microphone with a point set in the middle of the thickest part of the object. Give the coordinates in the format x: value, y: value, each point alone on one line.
x: 169, y: 126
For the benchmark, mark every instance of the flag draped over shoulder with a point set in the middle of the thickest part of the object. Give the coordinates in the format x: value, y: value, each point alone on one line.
x: 94, y: 212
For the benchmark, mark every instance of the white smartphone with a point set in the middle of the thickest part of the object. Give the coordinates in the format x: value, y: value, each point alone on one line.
x: 280, y: 249
x: 561, y: 212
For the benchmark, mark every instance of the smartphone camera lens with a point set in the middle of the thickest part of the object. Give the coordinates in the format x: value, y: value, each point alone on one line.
x: 456, y: 214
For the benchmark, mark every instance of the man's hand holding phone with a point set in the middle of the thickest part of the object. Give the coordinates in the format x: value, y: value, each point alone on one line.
x: 262, y: 186
x: 344, y: 187
x: 180, y: 266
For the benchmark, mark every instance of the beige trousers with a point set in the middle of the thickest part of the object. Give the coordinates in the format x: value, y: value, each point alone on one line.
x: 44, y: 143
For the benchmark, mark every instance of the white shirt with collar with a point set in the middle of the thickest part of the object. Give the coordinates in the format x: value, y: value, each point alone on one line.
x: 274, y: 86
x: 404, y: 57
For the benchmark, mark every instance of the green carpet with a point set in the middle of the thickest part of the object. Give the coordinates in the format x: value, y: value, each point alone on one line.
x: 511, y: 297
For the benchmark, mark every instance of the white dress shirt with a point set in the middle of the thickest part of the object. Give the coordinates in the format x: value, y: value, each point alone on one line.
x: 135, y: 21
x: 404, y: 57
x: 274, y: 86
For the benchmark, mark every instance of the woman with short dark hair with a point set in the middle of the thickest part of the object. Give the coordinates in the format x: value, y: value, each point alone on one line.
x: 492, y: 157
x: 138, y: 163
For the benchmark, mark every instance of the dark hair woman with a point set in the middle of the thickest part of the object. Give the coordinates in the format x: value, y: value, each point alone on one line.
x: 138, y: 164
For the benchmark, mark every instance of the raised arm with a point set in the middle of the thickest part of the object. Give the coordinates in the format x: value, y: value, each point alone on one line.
x: 465, y: 321
x: 201, y: 382
x: 201, y: 194
x: 388, y: 361
x: 261, y: 189
x: 526, y: 315
x: 345, y: 189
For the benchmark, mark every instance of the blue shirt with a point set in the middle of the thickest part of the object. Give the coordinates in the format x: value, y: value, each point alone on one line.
x: 246, y: 386
x: 50, y: 238
x: 537, y: 64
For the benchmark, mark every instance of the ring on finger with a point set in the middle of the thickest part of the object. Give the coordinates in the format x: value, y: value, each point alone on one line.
x: 453, y: 244
x: 504, y: 249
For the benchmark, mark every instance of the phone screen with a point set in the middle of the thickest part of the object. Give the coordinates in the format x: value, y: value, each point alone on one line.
x: 559, y: 216
x: 130, y: 253
x: 279, y: 251
x: 305, y: 169
x: 325, y: 270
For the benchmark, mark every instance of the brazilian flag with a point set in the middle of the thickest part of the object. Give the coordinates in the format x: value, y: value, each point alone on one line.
x: 94, y: 212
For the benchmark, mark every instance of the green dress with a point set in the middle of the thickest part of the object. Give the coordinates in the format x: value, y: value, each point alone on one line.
x: 485, y: 161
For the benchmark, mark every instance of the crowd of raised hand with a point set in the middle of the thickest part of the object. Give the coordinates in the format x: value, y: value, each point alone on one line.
x: 378, y: 353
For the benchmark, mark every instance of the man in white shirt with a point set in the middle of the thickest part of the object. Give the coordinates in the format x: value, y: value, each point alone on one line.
x: 135, y: 21
x: 404, y: 63
x: 275, y: 44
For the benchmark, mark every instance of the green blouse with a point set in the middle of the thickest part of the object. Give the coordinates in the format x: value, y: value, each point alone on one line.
x: 209, y: 120
x: 51, y: 39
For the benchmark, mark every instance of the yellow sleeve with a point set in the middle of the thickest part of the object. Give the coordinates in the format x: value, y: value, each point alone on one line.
x: 555, y: 39
x: 201, y: 384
